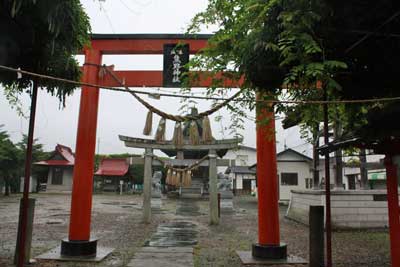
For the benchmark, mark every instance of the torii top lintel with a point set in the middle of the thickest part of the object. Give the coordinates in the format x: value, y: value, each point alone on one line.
x: 112, y: 44
x: 147, y: 44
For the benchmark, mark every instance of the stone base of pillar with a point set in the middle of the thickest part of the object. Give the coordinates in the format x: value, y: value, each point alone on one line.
x: 269, y: 251
x: 79, y: 248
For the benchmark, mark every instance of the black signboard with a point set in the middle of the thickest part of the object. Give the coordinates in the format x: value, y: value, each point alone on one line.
x: 176, y: 56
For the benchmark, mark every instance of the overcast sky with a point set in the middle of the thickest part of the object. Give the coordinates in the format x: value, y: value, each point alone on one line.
x: 119, y: 113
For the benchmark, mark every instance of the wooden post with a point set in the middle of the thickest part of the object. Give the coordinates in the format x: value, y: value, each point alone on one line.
x: 268, y: 209
x: 214, y: 219
x: 148, y: 161
x: 28, y: 164
x: 28, y: 232
x: 81, y: 201
x: 79, y: 242
x: 393, y: 208
x: 327, y: 186
x: 363, y: 169
x: 338, y: 158
x: 316, y: 222
x: 268, y: 245
x: 316, y: 158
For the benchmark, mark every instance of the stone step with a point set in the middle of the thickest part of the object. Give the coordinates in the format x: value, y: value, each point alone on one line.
x: 190, y: 196
x: 191, y: 190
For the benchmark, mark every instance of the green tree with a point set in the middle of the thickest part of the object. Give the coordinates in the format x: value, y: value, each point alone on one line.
x: 270, y: 43
x: 306, y: 45
x: 8, y: 159
x: 38, y: 154
x: 42, y: 37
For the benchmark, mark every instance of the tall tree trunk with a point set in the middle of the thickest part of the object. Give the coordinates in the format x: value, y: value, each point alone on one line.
x: 338, y: 157
x: 363, y: 169
x: 316, y: 158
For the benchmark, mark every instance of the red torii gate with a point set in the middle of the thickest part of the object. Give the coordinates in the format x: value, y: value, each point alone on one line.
x: 79, y: 242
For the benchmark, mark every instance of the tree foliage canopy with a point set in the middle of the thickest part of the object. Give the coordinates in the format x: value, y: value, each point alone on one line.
x: 43, y: 37
x: 341, y: 45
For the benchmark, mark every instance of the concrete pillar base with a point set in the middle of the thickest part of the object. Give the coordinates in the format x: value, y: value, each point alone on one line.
x: 269, y: 251
x: 79, y: 248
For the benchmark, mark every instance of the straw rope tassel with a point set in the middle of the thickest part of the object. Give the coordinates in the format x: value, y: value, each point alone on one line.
x: 168, y: 179
x: 173, y: 178
x: 189, y: 178
x: 194, y: 133
x: 178, y: 178
x: 160, y: 134
x: 178, y: 135
x: 149, y: 123
x: 207, y: 133
x: 184, y: 177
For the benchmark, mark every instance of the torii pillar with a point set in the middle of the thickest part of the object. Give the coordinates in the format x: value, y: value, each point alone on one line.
x: 269, y: 245
x: 393, y: 207
x: 79, y: 242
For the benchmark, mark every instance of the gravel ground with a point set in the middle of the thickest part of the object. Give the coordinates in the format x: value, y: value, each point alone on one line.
x: 116, y: 220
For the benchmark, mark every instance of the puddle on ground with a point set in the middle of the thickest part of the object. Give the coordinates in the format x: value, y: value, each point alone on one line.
x: 55, y: 221
x: 117, y: 203
x: 55, y: 209
x: 174, y: 234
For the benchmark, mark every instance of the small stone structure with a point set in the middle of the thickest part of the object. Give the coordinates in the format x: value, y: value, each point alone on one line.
x: 156, y: 190
x: 350, y: 209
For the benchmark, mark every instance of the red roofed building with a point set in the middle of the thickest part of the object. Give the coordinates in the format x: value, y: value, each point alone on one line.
x: 112, y: 171
x: 61, y: 165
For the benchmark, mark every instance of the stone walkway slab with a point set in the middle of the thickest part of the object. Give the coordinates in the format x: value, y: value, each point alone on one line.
x: 163, y: 257
x: 55, y: 254
x: 247, y: 260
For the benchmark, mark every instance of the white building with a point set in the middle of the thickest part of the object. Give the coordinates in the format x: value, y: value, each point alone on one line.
x: 352, y: 172
x: 243, y: 156
x: 242, y: 177
x: 294, y: 172
x: 60, y: 165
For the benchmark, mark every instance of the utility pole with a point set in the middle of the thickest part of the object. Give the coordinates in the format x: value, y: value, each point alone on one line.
x: 28, y: 163
x: 316, y: 157
x: 363, y: 169
x: 327, y: 185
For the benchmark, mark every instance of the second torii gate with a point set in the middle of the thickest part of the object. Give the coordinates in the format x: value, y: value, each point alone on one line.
x: 212, y: 162
x: 79, y: 242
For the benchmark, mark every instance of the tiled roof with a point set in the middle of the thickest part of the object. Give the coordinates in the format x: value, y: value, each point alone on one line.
x: 63, y: 152
x: 113, y: 167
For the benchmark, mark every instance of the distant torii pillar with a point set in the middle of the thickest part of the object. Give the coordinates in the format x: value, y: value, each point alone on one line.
x: 268, y: 246
x: 79, y: 242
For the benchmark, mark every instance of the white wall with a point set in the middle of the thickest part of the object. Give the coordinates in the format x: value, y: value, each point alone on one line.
x: 67, y: 181
x: 237, y: 155
x: 303, y: 171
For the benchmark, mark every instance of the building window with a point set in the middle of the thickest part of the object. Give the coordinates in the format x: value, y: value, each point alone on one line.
x: 289, y: 178
x: 57, y: 176
x: 309, y: 183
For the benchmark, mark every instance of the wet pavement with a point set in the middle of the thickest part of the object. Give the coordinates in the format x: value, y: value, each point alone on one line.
x: 188, y: 207
x: 172, y: 243
x: 174, y: 234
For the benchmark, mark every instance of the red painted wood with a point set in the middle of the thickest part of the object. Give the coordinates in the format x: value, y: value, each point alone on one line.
x: 393, y: 208
x: 81, y: 202
x: 155, y: 79
x: 267, y: 179
x: 143, y: 46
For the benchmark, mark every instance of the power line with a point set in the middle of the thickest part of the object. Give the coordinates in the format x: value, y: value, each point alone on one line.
x: 272, y: 101
x: 107, y: 17
x: 129, y: 8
